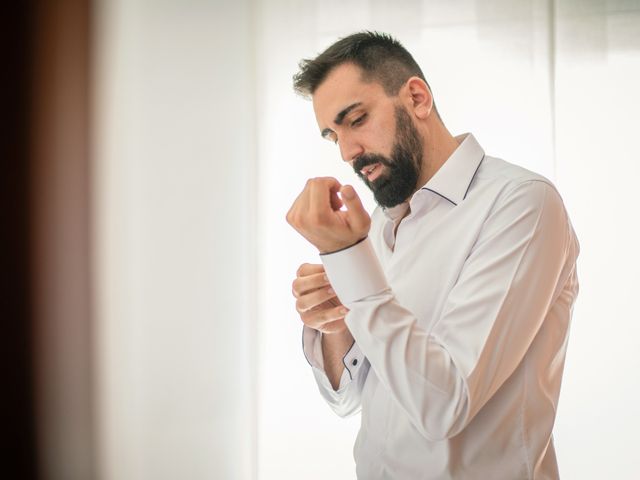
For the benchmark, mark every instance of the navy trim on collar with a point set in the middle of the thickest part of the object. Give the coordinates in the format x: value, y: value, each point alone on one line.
x: 472, y: 178
x: 439, y: 194
x: 453, y: 179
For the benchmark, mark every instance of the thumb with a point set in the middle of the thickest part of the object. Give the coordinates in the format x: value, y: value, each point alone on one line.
x: 356, y: 214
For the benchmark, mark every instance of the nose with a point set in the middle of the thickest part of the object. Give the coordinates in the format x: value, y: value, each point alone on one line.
x: 350, y: 149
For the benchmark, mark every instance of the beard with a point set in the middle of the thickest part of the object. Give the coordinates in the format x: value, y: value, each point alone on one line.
x: 403, y: 167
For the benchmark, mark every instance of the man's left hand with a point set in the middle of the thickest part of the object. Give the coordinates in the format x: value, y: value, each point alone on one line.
x: 316, y: 214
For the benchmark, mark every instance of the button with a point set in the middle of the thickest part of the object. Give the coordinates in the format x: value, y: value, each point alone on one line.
x: 354, y: 362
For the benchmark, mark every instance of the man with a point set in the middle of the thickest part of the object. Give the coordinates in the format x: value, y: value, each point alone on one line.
x: 443, y: 317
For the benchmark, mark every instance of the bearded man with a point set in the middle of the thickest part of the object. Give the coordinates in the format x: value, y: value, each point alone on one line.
x: 444, y: 316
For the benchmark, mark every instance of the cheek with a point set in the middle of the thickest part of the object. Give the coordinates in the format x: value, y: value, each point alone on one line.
x: 382, y: 137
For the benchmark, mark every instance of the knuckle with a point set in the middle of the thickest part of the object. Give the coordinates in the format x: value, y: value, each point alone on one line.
x: 302, y: 269
x: 309, y: 320
x: 318, y: 217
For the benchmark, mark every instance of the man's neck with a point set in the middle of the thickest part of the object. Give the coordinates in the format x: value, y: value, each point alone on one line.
x: 439, y: 145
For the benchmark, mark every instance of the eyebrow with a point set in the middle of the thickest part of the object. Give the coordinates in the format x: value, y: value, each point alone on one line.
x: 340, y: 118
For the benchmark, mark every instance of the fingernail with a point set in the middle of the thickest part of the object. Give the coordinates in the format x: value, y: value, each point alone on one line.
x: 344, y: 311
x: 326, y: 279
x: 330, y: 291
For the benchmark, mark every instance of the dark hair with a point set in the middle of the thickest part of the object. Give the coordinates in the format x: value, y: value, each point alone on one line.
x: 380, y: 56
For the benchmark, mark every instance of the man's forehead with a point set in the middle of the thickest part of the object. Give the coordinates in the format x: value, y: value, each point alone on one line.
x: 342, y: 88
x: 340, y: 83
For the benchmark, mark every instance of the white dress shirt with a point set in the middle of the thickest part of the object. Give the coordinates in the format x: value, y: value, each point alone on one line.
x: 460, y: 321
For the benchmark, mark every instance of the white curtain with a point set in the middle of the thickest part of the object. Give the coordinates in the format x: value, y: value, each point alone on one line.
x: 200, y: 148
x: 550, y: 85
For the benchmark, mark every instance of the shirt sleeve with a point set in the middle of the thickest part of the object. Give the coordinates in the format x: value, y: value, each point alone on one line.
x: 346, y: 400
x: 523, y: 256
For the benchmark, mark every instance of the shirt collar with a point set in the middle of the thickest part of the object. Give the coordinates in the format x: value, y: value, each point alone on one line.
x: 454, y: 177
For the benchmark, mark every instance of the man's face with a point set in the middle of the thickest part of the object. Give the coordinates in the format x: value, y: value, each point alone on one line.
x: 375, y: 133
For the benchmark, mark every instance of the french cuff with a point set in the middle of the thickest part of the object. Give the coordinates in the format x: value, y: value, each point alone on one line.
x: 353, y: 361
x: 355, y: 272
x: 312, y: 348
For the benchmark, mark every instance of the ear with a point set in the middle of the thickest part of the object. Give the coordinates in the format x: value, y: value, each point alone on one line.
x: 418, y: 97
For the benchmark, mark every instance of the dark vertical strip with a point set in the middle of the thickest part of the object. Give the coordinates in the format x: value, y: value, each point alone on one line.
x: 60, y: 242
x: 18, y: 445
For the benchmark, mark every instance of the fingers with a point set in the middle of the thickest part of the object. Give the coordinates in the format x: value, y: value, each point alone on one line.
x: 309, y: 268
x: 314, y: 299
x: 304, y: 285
x: 317, y: 303
x: 323, y: 197
x: 357, y: 216
x: 322, y: 319
x: 336, y: 202
x: 316, y: 214
x: 309, y: 277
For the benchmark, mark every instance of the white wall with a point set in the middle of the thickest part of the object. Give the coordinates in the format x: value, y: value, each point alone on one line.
x: 174, y: 232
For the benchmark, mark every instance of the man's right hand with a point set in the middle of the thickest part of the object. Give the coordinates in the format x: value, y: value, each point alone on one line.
x: 316, y: 302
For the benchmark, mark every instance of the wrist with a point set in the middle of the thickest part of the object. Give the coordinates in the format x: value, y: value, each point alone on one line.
x: 329, y: 251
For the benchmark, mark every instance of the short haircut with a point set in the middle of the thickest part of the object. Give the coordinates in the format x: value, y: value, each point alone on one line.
x: 381, y: 57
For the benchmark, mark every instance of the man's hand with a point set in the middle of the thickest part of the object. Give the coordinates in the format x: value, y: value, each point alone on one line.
x: 317, y: 304
x: 316, y: 214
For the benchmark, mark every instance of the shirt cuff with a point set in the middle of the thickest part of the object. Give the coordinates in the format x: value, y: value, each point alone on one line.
x: 312, y: 348
x: 354, y: 273
x: 353, y: 360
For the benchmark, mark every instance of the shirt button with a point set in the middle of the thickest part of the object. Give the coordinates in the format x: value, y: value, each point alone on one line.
x: 354, y: 362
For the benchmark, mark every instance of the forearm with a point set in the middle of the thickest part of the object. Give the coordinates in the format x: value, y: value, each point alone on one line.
x: 334, y: 348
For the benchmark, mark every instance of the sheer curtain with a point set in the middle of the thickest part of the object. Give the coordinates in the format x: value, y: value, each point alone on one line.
x: 547, y: 84
x: 597, y: 97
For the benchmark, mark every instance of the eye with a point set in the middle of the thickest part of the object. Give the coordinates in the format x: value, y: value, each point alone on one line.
x: 359, y: 120
x: 330, y: 136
